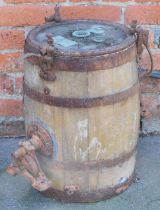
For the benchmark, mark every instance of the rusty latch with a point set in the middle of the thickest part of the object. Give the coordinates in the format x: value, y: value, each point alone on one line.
x: 142, y: 37
x: 48, y: 52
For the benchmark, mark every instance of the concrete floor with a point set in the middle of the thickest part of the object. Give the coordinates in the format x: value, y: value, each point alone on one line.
x: 17, y: 194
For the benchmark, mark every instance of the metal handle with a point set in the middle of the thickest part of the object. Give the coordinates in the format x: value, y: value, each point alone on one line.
x: 148, y: 73
x: 27, y: 164
x: 142, y: 37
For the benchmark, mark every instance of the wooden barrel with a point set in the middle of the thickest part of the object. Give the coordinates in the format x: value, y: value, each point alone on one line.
x: 87, y: 99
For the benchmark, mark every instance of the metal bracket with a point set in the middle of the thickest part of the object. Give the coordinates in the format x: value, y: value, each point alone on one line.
x: 25, y: 159
x: 56, y: 17
x: 46, y: 71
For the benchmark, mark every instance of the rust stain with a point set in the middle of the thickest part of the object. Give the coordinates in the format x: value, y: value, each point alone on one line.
x: 101, y: 194
x: 81, y: 102
x: 86, y: 63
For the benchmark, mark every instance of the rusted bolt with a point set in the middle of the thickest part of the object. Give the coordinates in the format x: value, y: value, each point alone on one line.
x: 46, y: 91
x: 41, y: 74
x: 34, y: 128
x: 69, y: 192
x: 76, y: 188
x: 43, y: 50
x: 145, y: 113
x: 45, y: 76
x: 134, y: 23
x: 50, y: 39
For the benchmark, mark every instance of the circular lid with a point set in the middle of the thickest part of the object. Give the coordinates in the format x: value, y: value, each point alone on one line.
x: 81, y: 37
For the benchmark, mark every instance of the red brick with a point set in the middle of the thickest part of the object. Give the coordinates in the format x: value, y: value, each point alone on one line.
x: 151, y: 103
x: 143, y: 1
x: 111, y: 13
x: 34, y: 15
x: 19, y: 85
x: 10, y: 107
x: 150, y: 85
x: 10, y: 62
x: 117, y: 0
x: 103, y: 1
x: 24, y: 15
x: 33, y: 1
x: 11, y: 39
x: 144, y: 14
x: 151, y: 40
x: 145, y: 61
x: 6, y: 84
x: 83, y: 1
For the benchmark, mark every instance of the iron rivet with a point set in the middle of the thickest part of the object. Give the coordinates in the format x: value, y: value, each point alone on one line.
x: 45, y: 76
x: 46, y: 91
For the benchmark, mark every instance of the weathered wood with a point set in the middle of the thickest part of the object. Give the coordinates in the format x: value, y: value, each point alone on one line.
x: 87, y: 135
x: 82, y: 109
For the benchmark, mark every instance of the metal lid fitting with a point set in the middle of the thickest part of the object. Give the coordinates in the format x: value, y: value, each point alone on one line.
x: 88, y: 44
x: 80, y: 38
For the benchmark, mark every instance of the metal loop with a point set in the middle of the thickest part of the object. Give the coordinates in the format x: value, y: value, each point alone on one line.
x: 142, y: 40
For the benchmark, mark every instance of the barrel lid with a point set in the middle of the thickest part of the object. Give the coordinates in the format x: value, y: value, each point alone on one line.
x: 80, y: 37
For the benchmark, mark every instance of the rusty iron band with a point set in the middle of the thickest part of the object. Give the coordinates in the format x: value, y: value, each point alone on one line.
x: 88, y: 63
x: 95, y: 165
x: 81, y: 102
x: 34, y: 46
x: 98, y: 195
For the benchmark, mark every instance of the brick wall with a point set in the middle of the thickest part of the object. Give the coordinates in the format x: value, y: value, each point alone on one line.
x: 17, y: 17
